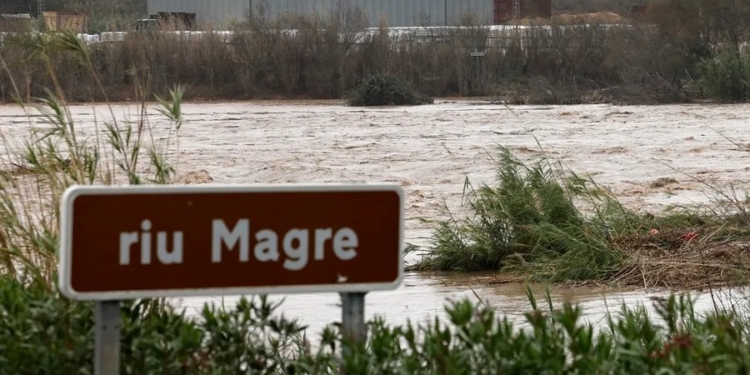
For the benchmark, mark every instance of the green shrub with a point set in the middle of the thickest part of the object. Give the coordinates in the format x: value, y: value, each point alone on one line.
x: 384, y: 89
x: 556, y: 341
x: 727, y: 76
x: 544, y: 222
x: 40, y: 333
x: 530, y: 216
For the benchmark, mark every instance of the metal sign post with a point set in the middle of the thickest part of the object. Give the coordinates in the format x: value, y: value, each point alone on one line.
x: 353, y: 317
x: 178, y: 241
x: 478, y: 69
x: 352, y: 320
x: 107, y: 338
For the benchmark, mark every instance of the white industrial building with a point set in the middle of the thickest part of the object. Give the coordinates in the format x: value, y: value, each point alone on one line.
x: 398, y: 13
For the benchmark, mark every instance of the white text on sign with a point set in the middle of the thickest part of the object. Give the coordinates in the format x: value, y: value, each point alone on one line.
x: 295, y: 244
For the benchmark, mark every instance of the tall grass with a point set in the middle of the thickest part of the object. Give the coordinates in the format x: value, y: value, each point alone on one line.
x: 530, y: 216
x: 45, y: 333
x: 55, y: 155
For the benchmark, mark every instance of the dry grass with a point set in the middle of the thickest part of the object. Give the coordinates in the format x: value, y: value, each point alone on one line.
x: 329, y: 55
x: 675, y: 259
x: 595, y: 18
x: 39, y: 168
x: 667, y: 260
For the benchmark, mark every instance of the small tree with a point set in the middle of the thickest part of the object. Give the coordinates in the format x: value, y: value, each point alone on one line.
x: 385, y: 89
x: 727, y: 76
x: 728, y: 21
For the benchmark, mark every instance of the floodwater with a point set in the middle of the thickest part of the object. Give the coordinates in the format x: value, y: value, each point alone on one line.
x: 423, y: 297
x: 430, y: 151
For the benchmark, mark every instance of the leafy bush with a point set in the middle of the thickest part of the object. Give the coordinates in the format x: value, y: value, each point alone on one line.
x: 384, y: 89
x: 41, y: 333
x: 727, y: 76
x: 557, y: 342
x: 529, y: 216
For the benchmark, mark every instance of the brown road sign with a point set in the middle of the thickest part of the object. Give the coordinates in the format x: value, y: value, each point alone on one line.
x: 164, y: 241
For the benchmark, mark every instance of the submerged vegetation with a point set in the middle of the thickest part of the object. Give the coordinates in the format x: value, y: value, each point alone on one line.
x: 382, y: 89
x: 530, y: 217
x: 557, y: 226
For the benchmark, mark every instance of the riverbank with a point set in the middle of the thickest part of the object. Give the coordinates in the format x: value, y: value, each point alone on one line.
x: 321, y: 58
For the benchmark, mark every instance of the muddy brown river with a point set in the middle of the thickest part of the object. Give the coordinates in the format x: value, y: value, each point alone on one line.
x: 430, y: 151
x: 422, y: 297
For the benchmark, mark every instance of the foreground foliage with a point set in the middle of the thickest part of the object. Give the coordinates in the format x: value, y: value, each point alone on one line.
x: 43, y: 333
x: 40, y: 333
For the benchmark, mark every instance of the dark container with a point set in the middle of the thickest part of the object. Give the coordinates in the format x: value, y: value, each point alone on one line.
x: 503, y: 9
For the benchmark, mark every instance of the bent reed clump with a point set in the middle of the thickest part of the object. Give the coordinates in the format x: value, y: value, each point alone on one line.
x: 545, y: 221
x: 328, y: 55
